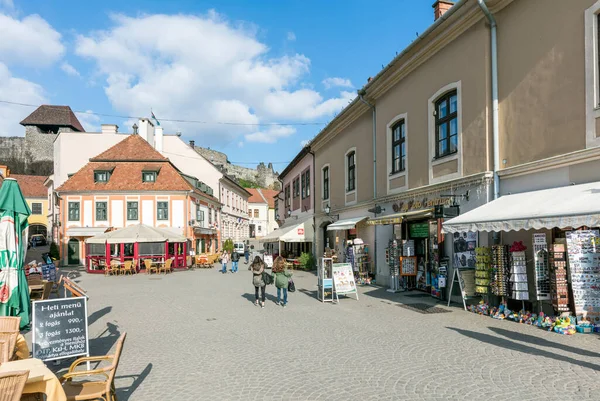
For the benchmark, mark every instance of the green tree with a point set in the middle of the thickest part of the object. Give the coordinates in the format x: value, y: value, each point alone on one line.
x: 228, y: 245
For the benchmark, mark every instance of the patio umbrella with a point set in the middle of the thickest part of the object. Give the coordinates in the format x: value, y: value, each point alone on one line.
x: 14, y: 292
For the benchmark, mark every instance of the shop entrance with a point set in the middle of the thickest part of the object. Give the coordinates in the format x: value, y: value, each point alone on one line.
x: 73, y: 252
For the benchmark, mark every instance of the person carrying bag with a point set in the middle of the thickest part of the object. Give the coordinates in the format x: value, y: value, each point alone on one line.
x: 282, y: 280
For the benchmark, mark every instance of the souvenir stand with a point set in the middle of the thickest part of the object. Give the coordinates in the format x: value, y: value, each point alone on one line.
x: 392, y: 258
x: 325, y: 281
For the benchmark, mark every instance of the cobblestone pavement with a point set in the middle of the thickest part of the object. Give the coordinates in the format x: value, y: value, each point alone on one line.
x: 195, y: 335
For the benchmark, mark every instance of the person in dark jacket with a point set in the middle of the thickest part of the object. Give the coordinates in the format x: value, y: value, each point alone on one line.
x: 235, y: 258
x: 258, y: 267
x: 247, y: 253
x: 282, y: 279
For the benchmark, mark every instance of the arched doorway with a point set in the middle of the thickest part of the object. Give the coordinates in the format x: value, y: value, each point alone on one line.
x: 73, y: 252
x: 38, y: 229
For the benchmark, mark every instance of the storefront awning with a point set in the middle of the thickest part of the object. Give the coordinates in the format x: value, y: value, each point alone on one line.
x: 292, y: 231
x: 564, y: 207
x: 397, y: 218
x: 85, y: 231
x: 137, y: 233
x: 346, y: 224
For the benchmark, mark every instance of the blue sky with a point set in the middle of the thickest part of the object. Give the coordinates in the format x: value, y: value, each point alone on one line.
x: 248, y: 62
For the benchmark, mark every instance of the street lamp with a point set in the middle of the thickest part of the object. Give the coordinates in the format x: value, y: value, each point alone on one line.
x: 328, y: 211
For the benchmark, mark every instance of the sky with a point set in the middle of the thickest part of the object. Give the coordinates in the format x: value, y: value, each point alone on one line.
x: 254, y: 79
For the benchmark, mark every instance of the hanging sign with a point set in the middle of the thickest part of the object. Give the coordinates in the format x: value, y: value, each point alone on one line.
x: 59, y: 328
x: 343, y: 279
x: 419, y: 230
x: 583, y: 249
x: 424, y: 203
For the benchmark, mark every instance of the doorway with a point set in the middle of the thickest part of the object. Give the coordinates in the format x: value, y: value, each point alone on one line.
x: 252, y: 231
x: 73, y: 252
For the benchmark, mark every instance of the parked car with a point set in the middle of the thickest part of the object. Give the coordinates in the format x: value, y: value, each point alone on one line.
x: 238, y: 247
x: 38, y: 240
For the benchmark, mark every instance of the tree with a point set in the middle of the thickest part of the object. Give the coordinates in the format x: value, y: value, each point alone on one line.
x: 228, y: 245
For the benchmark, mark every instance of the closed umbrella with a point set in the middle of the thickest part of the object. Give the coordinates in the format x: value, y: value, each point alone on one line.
x: 14, y: 292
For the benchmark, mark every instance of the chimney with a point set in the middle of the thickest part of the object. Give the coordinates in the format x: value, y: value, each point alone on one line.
x: 110, y: 128
x: 146, y: 130
x: 440, y: 7
x: 135, y: 129
x: 192, y: 144
x: 158, y: 138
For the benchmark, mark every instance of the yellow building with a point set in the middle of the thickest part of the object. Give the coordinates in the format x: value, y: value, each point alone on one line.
x: 36, y: 195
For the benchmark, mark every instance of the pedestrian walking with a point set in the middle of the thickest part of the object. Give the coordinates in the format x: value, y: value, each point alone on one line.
x: 247, y: 253
x: 235, y: 258
x: 258, y: 267
x: 224, y: 260
x: 282, y: 279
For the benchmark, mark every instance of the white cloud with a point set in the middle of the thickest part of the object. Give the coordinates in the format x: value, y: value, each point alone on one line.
x: 202, y: 68
x: 304, y: 142
x: 240, y: 144
x: 90, y: 122
x: 272, y: 134
x: 291, y: 36
x: 21, y: 91
x: 336, y: 81
x: 69, y: 69
x: 7, y: 4
x: 30, y: 41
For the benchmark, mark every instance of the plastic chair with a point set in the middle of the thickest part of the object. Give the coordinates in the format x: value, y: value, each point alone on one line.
x: 93, y: 389
x: 12, y: 385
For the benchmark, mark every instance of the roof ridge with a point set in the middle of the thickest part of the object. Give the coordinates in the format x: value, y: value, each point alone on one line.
x: 125, y: 150
x: 259, y: 190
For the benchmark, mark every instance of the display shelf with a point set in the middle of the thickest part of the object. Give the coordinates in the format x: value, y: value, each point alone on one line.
x: 542, y: 270
x: 500, y: 270
x: 559, y: 283
x: 518, y: 276
x: 483, y: 257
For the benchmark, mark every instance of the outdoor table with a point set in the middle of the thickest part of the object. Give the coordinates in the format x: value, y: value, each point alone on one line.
x: 22, y: 351
x: 38, y: 287
x: 40, y: 380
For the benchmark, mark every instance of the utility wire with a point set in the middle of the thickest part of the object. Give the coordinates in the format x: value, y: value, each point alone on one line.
x: 175, y: 120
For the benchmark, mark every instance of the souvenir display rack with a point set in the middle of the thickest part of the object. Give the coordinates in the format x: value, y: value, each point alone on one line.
x: 542, y: 270
x: 483, y: 257
x: 408, y: 266
x: 518, y: 276
x: 559, y: 282
x: 392, y: 258
x: 362, y: 262
x: 500, y: 270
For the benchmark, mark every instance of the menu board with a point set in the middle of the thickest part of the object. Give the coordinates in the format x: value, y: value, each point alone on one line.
x: 583, y: 249
x: 268, y: 259
x: 59, y: 328
x: 343, y: 278
x: 466, y: 278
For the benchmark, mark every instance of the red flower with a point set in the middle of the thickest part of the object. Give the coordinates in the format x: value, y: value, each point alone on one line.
x: 4, y: 293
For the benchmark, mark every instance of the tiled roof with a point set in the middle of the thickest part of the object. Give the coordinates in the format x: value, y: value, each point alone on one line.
x: 53, y: 115
x: 125, y: 177
x: 32, y: 186
x: 262, y: 196
x: 132, y: 148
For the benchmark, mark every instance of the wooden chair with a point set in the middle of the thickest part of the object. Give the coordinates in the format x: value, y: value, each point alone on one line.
x: 10, y: 338
x: 35, y: 279
x: 93, y: 389
x: 134, y: 266
x: 115, y: 267
x: 166, y: 267
x: 45, y: 294
x: 12, y: 385
x: 10, y: 323
x: 127, y: 267
x: 149, y: 266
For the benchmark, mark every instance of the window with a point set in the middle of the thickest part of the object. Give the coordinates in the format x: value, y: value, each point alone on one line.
x: 446, y: 125
x: 250, y: 212
x: 162, y: 210
x: 259, y: 228
x: 200, y: 216
x: 350, y: 159
x: 228, y: 198
x: 255, y: 213
x: 210, y: 213
x: 101, y: 211
x: 149, y: 176
x: 101, y: 176
x: 307, y: 174
x: 73, y: 211
x: 325, y: 183
x: 398, y: 147
x: 296, y: 187
x: 287, y: 196
x: 303, y: 186
x: 36, y: 208
x: 132, y: 210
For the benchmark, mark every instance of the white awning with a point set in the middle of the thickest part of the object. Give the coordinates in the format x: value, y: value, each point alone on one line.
x: 564, y: 207
x: 346, y: 224
x: 137, y: 233
x: 85, y: 231
x: 292, y: 231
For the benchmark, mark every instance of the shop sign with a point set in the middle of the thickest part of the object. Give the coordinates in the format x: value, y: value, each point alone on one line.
x: 300, y: 231
x: 343, y: 279
x: 419, y: 230
x: 406, y: 206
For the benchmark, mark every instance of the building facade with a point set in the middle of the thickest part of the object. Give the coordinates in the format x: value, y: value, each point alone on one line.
x: 131, y: 183
x: 36, y: 196
x: 261, y: 211
x: 421, y: 133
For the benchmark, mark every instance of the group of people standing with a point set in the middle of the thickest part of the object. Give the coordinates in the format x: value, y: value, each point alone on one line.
x: 235, y: 259
x: 281, y: 277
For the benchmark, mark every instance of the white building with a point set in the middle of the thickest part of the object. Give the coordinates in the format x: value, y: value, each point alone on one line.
x: 72, y: 151
x: 261, y: 212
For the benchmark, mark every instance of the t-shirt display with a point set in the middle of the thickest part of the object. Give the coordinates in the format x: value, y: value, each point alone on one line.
x: 583, y: 249
x: 518, y: 276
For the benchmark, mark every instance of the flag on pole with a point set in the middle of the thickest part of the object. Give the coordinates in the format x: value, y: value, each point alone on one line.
x: 154, y: 118
x: 14, y: 291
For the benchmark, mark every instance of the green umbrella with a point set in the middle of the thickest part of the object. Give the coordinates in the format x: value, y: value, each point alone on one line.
x: 14, y: 292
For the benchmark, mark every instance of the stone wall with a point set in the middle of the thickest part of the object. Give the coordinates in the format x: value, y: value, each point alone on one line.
x: 32, y: 154
x: 263, y: 175
x: 12, y: 147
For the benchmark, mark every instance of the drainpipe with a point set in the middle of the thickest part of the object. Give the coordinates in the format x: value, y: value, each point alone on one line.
x: 495, y: 117
x: 360, y: 95
x: 314, y: 202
